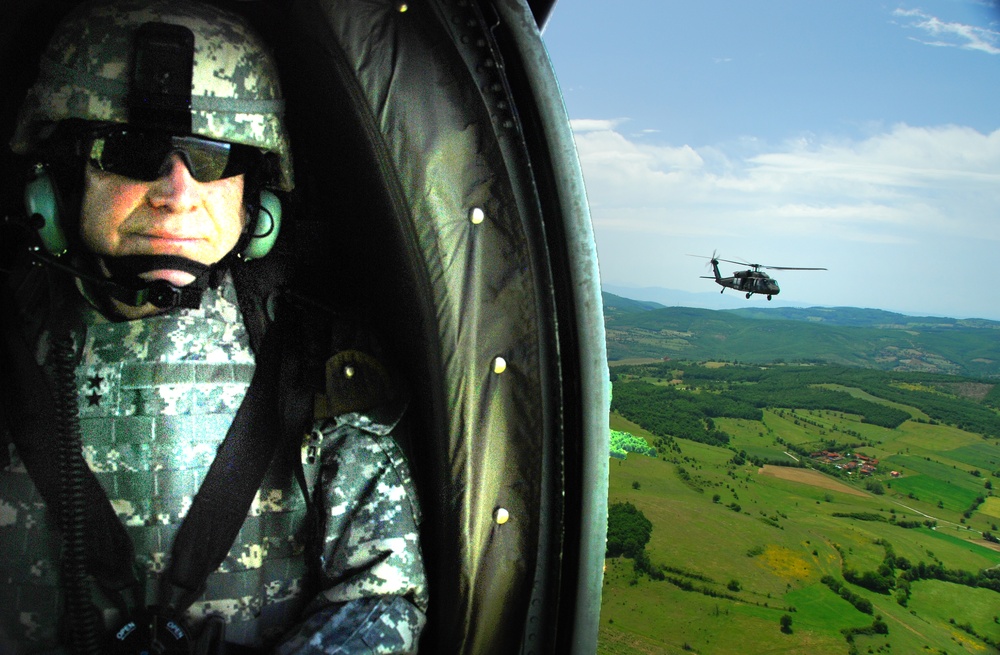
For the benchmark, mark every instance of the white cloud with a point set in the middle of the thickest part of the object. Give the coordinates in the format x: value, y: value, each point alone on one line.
x: 868, y: 209
x: 594, y: 125
x: 905, y: 183
x: 950, y: 34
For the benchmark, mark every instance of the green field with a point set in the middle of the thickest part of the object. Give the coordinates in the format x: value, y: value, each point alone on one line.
x: 716, y: 522
x: 976, y: 454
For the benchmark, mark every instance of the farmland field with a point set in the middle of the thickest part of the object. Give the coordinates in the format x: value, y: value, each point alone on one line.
x: 741, y: 542
x: 810, y: 477
x: 991, y: 507
x: 976, y: 454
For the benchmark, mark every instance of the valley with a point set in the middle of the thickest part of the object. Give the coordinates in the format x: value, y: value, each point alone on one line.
x: 750, y: 534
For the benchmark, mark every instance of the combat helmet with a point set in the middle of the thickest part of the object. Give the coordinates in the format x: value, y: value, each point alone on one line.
x: 88, y: 73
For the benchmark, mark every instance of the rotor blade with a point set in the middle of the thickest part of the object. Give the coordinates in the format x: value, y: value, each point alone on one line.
x: 714, y: 252
x: 708, y: 264
x: 792, y: 268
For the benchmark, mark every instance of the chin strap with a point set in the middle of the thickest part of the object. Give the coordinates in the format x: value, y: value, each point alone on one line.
x: 127, y: 287
x: 124, y: 284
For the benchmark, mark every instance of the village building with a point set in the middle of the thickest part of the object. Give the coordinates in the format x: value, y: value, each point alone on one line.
x: 850, y: 462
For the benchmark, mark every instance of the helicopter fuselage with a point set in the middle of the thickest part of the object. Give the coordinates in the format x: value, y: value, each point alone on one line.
x: 749, y: 282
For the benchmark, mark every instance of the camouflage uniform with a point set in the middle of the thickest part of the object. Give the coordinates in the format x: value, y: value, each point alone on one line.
x: 156, y: 397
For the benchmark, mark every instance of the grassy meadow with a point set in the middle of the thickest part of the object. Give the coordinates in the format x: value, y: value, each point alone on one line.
x: 740, y: 545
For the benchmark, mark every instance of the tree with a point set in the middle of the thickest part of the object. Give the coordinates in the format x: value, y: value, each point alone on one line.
x: 786, y: 623
x: 628, y: 530
x: 875, y: 487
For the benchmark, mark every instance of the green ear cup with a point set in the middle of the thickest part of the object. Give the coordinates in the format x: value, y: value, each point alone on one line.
x: 40, y: 201
x: 266, y: 229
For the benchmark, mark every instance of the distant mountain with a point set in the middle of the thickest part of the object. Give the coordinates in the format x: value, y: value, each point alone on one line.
x: 852, y: 316
x: 843, y: 335
x: 704, y: 300
x: 613, y: 303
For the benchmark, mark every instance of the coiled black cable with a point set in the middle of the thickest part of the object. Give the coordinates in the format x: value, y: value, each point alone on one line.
x: 84, y: 628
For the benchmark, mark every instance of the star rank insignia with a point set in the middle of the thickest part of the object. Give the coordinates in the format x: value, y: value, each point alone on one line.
x: 94, y: 383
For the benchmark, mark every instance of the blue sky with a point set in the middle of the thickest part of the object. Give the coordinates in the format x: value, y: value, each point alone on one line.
x: 852, y: 134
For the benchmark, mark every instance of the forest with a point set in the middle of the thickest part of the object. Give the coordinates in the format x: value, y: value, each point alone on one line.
x: 680, y: 399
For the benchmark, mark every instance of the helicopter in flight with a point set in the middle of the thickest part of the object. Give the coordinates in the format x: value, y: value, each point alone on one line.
x: 752, y: 280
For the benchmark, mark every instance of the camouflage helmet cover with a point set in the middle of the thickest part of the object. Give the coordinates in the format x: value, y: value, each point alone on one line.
x: 235, y: 94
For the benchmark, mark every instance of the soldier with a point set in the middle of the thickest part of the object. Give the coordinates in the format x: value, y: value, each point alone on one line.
x: 157, y: 341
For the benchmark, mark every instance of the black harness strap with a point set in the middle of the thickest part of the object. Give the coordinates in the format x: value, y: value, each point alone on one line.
x: 221, y: 504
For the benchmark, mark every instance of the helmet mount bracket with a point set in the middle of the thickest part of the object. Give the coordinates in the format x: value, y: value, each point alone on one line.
x: 160, y: 88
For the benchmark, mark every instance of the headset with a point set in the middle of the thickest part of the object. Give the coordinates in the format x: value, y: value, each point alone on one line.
x: 41, y: 201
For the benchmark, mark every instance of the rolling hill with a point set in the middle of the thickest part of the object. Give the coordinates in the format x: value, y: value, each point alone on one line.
x: 849, y: 336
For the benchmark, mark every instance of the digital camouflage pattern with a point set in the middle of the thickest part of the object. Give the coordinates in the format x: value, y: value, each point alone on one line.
x: 374, y: 589
x: 235, y: 95
x: 156, y: 397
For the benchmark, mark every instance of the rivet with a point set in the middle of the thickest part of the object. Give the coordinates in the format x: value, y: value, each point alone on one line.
x: 477, y: 216
x: 501, y: 516
x: 499, y: 365
x: 348, y: 372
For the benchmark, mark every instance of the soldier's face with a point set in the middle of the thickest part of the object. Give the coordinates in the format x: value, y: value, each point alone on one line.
x: 173, y: 215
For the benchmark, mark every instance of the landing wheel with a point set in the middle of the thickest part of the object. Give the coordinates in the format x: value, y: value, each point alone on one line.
x: 748, y: 295
x: 769, y: 297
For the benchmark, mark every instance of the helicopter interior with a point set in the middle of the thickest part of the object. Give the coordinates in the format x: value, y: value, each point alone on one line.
x: 439, y: 194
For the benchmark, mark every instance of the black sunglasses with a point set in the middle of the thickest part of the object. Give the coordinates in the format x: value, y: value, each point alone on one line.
x: 144, y: 155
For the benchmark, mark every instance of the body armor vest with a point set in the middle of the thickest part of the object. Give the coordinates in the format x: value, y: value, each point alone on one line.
x: 156, y: 397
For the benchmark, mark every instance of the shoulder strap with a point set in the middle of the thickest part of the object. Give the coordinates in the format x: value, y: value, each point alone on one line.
x: 276, y: 410
x: 258, y: 285
x: 224, y: 498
